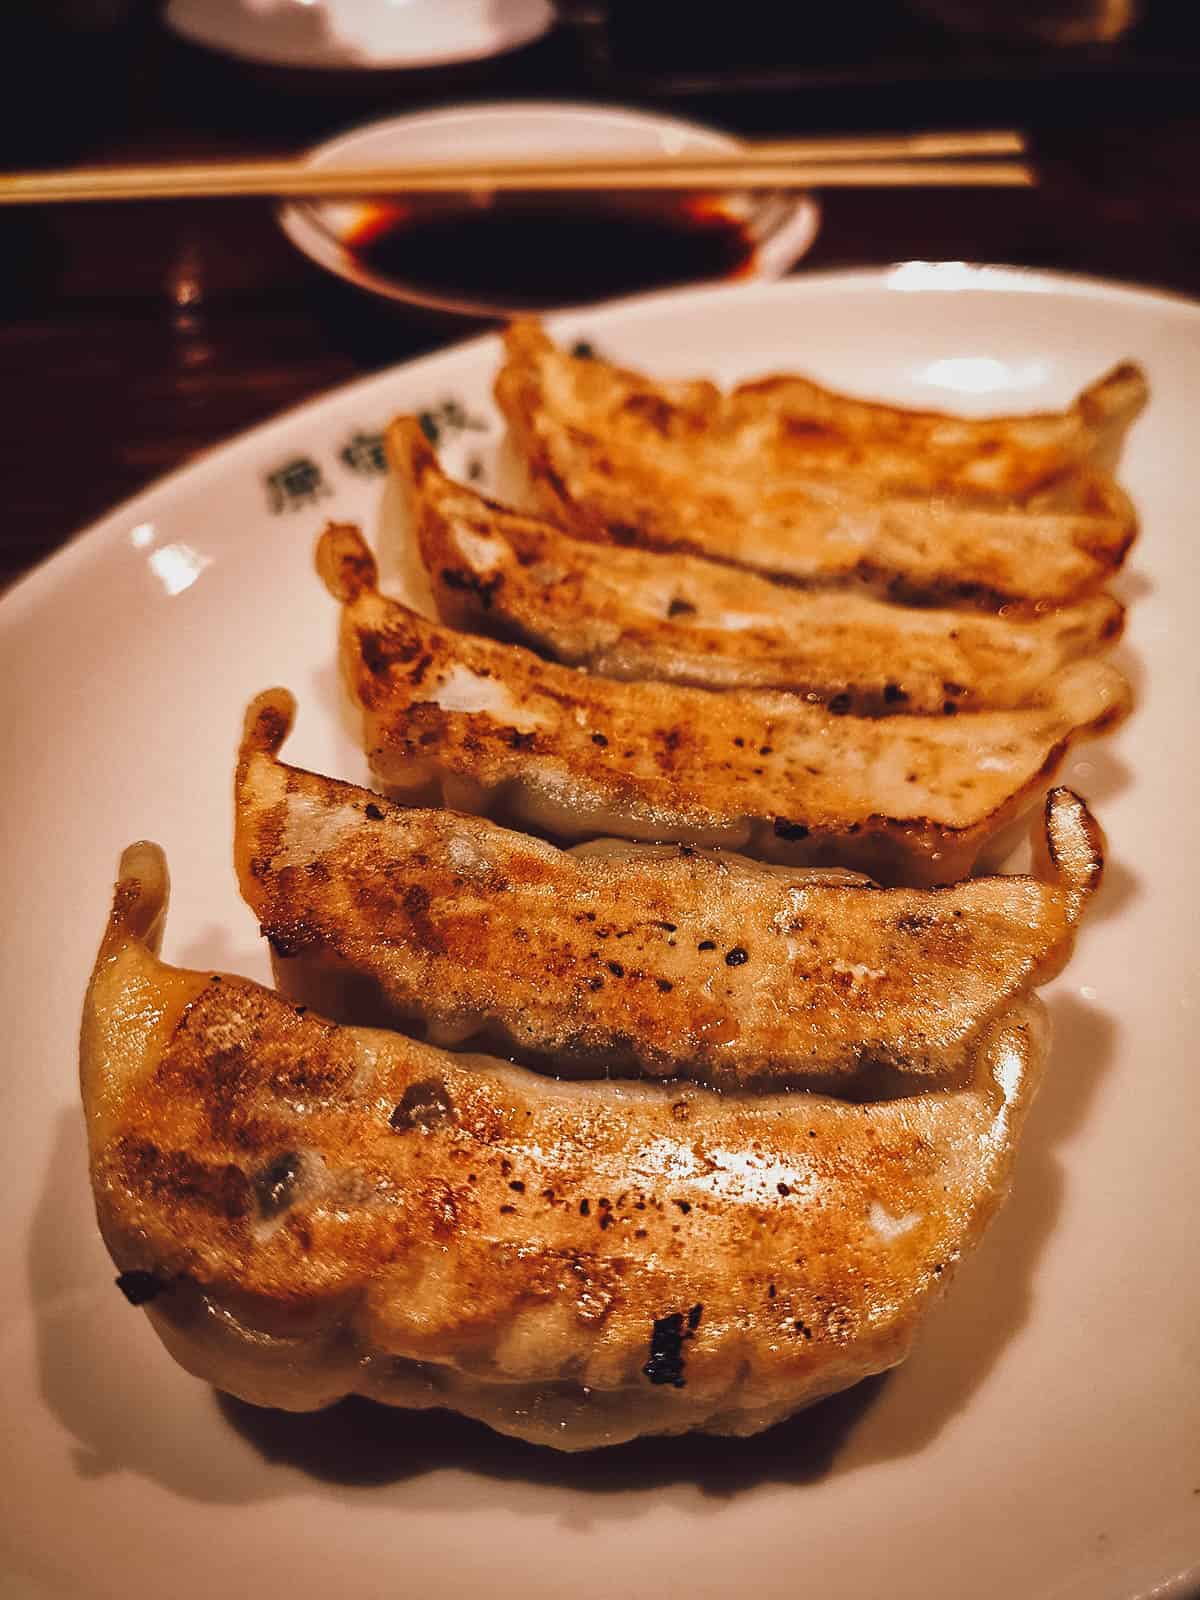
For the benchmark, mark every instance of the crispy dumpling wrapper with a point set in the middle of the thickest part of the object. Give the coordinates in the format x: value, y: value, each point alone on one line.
x: 307, y: 1211
x: 491, y: 728
x: 631, y: 613
x: 639, y: 959
x: 806, y: 485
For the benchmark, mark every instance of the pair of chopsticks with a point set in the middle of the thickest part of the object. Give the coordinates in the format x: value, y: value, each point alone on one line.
x: 965, y: 160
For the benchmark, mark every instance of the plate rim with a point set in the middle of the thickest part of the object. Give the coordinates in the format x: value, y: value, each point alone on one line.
x: 960, y: 277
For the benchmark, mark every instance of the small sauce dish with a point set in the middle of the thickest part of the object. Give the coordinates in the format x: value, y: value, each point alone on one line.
x: 495, y: 255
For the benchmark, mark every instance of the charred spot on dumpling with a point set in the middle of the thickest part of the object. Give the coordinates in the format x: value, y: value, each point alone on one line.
x: 467, y: 582
x: 289, y: 939
x: 666, y: 1351
x: 271, y: 725
x: 220, y: 1188
x: 422, y: 1105
x: 680, y: 607
x: 139, y: 1287
x: 653, y: 409
x: 789, y: 830
x: 275, y: 1184
x: 393, y: 645
x: 375, y: 657
x: 416, y: 675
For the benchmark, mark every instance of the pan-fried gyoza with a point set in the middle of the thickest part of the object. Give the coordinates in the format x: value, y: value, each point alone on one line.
x: 309, y: 1206
x: 491, y: 728
x: 307, y: 1210
x: 790, y: 480
x: 643, y: 959
x: 630, y: 613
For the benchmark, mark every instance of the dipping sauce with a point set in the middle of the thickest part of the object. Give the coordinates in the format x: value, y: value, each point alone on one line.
x: 528, y: 250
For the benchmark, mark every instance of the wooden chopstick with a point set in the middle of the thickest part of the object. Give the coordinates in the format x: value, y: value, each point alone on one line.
x: 891, y: 146
x: 904, y: 161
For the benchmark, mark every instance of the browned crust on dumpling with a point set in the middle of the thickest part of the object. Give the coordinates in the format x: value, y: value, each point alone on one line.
x: 917, y: 505
x: 309, y: 1210
x: 628, y: 613
x: 637, y: 959
x: 493, y: 729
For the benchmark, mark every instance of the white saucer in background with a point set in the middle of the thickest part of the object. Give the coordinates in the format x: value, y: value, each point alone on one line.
x: 522, y: 130
x: 376, y: 35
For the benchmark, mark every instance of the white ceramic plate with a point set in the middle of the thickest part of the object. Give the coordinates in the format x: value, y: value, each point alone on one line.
x: 784, y: 225
x: 1044, y: 1438
x: 371, y: 35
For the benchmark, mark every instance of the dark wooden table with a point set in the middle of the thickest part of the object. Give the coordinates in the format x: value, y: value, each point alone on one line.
x: 134, y: 336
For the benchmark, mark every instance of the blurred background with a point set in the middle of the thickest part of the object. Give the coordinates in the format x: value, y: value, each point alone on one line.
x: 133, y: 336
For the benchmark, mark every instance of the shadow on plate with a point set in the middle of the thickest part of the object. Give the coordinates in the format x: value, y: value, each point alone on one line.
x: 130, y: 1409
x: 213, y: 950
x: 1098, y: 773
x: 358, y: 1442
x: 992, y: 1297
x: 329, y: 697
x: 1119, y: 887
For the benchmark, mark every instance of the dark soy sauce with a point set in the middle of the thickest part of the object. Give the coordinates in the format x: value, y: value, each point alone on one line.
x: 527, y: 250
